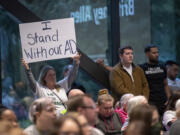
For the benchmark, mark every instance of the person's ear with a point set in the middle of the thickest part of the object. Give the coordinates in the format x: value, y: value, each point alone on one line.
x: 37, y: 114
x: 120, y: 56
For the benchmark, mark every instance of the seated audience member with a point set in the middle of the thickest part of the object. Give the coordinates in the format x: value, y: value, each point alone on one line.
x: 132, y: 103
x: 68, y: 125
x: 6, y: 128
x: 109, y: 121
x: 175, y: 127
x: 169, y: 115
x: 172, y: 72
x: 75, y: 92
x: 122, y: 108
x: 156, y: 126
x: 42, y: 113
x: 85, y: 105
x: 86, y: 128
x: 137, y: 127
x: 8, y: 115
x: 144, y: 113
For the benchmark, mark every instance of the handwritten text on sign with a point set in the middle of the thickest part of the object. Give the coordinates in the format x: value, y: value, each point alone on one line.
x: 48, y: 40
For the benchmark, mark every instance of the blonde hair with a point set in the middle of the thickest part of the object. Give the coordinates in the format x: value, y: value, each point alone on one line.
x: 104, y: 98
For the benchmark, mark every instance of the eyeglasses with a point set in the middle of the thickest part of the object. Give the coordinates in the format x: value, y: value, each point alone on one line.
x: 90, y: 107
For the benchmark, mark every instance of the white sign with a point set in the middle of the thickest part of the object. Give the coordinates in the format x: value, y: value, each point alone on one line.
x: 47, y: 40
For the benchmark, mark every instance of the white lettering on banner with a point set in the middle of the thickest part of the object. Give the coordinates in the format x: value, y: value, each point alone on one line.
x: 48, y: 40
x: 83, y: 15
x: 99, y: 14
x: 126, y: 8
x: 86, y: 13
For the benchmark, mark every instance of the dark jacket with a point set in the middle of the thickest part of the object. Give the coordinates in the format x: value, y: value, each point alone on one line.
x: 110, y: 125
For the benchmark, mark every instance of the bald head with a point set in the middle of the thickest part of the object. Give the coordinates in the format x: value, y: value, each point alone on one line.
x: 75, y: 92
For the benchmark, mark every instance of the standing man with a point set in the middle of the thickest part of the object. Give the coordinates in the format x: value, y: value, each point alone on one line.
x: 156, y: 76
x: 126, y: 77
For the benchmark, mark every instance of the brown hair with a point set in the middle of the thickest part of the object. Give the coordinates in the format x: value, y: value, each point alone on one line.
x: 121, y: 50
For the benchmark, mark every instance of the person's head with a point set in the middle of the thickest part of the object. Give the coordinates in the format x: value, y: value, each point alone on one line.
x: 6, y: 128
x: 124, y: 100
x: 105, y: 105
x: 141, y: 112
x: 66, y: 70
x: 68, y: 125
x: 172, y: 100
x: 86, y: 128
x: 8, y: 115
x: 172, y: 69
x: 47, y: 76
x: 75, y: 92
x: 42, y: 113
x: 137, y: 127
x: 85, y: 105
x: 152, y: 53
x: 126, y: 55
x: 134, y: 101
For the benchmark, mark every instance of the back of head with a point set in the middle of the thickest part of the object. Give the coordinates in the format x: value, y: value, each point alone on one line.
x: 141, y: 112
x: 75, y: 102
x: 124, y: 99
x: 37, y: 106
x: 148, y: 47
x: 137, y: 127
x: 133, y: 102
x: 60, y: 123
x: 75, y: 92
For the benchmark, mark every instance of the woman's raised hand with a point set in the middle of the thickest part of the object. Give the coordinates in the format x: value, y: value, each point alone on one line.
x: 76, y: 58
x: 25, y: 64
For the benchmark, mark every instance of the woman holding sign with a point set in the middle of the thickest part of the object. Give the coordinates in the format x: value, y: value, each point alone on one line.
x: 47, y: 86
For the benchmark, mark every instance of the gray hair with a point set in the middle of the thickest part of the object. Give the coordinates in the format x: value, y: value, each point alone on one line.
x: 37, y: 106
x: 133, y: 102
x: 124, y: 99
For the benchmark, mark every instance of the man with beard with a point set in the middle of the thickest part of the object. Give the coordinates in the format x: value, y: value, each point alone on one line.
x: 156, y: 76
